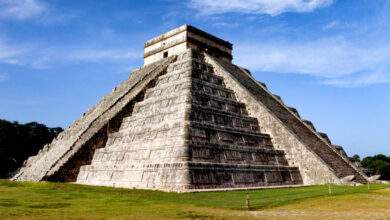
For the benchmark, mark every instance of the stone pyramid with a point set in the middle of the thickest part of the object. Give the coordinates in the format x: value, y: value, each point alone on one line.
x: 190, y: 120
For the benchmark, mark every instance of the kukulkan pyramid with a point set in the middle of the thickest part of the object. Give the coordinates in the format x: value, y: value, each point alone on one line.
x: 190, y: 119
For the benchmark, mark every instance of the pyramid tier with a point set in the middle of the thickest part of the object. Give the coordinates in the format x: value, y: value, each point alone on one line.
x: 171, y: 176
x: 219, y: 175
x: 190, y: 175
x: 236, y: 154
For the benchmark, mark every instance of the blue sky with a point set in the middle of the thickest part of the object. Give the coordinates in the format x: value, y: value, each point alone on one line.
x: 329, y: 59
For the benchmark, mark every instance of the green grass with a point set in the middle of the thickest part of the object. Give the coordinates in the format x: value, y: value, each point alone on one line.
x: 23, y: 200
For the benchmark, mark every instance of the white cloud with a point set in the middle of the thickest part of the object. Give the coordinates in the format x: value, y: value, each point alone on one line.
x: 271, y: 7
x: 334, y: 60
x: 21, y: 9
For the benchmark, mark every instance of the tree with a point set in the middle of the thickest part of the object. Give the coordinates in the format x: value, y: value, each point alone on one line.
x: 19, y: 141
x: 356, y: 158
x: 379, y: 164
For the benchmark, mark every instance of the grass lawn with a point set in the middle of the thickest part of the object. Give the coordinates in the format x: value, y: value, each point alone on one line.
x: 70, y: 201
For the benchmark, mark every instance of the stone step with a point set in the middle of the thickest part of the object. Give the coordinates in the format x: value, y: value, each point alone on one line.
x: 212, y: 89
x: 162, y: 102
x: 193, y: 64
x: 237, y: 113
x: 226, y: 118
x: 208, y: 77
x: 236, y: 147
x: 205, y: 99
x: 172, y: 76
x: 232, y: 130
x: 165, y: 89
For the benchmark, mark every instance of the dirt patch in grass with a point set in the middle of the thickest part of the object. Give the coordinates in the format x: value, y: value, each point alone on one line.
x: 370, y: 205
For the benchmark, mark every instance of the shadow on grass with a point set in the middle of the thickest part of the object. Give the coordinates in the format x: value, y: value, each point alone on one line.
x: 49, y: 205
x: 192, y: 215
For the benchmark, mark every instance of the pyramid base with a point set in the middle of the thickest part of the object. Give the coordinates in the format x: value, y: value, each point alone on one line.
x: 190, y: 176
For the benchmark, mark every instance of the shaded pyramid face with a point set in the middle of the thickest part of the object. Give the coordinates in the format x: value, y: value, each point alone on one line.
x: 189, y: 132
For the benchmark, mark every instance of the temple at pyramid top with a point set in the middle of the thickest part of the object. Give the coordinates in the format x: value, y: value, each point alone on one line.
x: 182, y: 38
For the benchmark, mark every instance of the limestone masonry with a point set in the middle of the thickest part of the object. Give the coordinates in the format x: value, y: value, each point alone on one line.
x: 191, y: 120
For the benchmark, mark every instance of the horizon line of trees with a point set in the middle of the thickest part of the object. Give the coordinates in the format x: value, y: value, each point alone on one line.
x: 375, y: 165
x: 20, y: 141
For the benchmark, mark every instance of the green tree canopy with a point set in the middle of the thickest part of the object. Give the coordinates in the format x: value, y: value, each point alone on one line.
x: 19, y: 141
x: 356, y: 157
x: 379, y: 164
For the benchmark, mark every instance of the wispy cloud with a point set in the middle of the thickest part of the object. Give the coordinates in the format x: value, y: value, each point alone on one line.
x: 44, y: 57
x: 359, y: 80
x: 21, y: 9
x: 356, y: 54
x: 336, y: 61
x: 95, y: 55
x: 331, y: 25
x: 38, y: 11
x: 271, y: 7
x: 3, y: 76
x: 52, y: 57
x: 40, y: 55
x: 9, y: 54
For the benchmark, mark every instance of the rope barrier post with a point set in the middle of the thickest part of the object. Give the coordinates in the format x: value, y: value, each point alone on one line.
x: 248, y: 202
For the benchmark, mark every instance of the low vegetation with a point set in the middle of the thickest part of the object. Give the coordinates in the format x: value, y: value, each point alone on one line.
x: 66, y: 200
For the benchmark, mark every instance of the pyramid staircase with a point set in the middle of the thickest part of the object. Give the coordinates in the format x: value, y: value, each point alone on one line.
x: 317, y: 142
